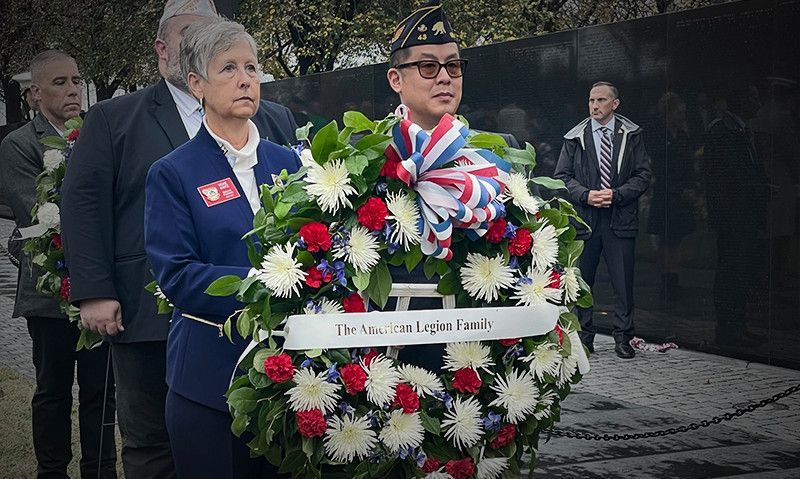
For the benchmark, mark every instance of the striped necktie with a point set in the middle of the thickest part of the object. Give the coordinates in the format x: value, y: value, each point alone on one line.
x: 605, y: 158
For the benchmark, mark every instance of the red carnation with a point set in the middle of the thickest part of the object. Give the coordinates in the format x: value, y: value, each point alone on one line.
x: 467, y: 380
x: 279, y: 368
x: 311, y: 423
x: 496, y: 231
x: 56, y: 241
x: 372, y: 354
x: 509, y: 342
x: 353, y: 377
x: 555, y: 280
x: 373, y: 213
x: 353, y: 304
x: 389, y: 169
x: 520, y: 243
x: 64, y: 290
x: 316, y: 237
x: 504, y: 436
x: 315, y: 277
x: 560, y: 333
x: 461, y: 469
x: 431, y: 465
x: 406, y: 398
x: 73, y: 135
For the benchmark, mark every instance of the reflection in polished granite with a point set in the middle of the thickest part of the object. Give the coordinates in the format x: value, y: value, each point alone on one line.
x: 717, y: 91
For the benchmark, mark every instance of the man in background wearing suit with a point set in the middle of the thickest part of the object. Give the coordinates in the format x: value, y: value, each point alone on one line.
x: 103, y: 223
x: 56, y: 87
x: 606, y: 169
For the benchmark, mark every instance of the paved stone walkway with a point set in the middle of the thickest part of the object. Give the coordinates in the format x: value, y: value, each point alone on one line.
x: 650, y: 392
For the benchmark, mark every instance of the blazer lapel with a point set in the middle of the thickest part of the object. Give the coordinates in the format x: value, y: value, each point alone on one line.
x: 166, y: 114
x: 617, y: 157
x: 591, y: 154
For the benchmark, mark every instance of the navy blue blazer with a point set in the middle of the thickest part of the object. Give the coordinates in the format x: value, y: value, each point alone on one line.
x: 189, y: 245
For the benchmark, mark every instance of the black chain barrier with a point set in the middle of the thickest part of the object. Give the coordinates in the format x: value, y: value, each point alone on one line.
x: 675, y: 430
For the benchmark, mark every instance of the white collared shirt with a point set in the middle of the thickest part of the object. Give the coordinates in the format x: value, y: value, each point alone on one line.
x: 598, y: 137
x: 242, y: 161
x: 188, y: 108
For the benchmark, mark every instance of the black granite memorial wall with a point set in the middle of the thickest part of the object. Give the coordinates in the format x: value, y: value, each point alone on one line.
x: 718, y: 92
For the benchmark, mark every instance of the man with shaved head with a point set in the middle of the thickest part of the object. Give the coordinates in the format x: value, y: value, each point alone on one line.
x: 56, y: 88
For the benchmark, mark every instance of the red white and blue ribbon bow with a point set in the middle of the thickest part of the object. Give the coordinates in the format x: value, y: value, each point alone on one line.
x: 462, y: 194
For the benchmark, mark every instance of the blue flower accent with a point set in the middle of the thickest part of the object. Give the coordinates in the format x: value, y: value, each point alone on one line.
x: 511, y: 231
x: 525, y: 280
x: 301, y: 243
x: 381, y: 188
x: 61, y: 264
x: 421, y: 458
x: 513, y: 263
x: 346, y: 408
x: 308, y: 362
x: 333, y: 374
x: 491, y: 422
x: 445, y: 398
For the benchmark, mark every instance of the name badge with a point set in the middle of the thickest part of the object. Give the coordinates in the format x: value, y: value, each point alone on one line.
x: 218, y: 192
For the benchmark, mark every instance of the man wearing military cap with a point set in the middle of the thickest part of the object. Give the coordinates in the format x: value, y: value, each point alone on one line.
x: 103, y: 229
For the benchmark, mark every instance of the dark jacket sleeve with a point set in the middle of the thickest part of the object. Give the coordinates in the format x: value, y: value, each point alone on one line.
x: 174, y: 250
x: 87, y: 211
x: 20, y: 164
x: 565, y: 171
x: 640, y: 177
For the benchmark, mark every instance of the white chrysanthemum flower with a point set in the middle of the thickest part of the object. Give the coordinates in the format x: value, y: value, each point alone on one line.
x: 312, y: 392
x: 329, y: 184
x: 491, y: 467
x: 361, y: 250
x: 382, y: 379
x: 405, y: 215
x: 545, y: 359
x: 568, y: 368
x: 517, y: 394
x: 518, y: 189
x: 51, y: 159
x: 422, y: 381
x: 402, y: 431
x: 544, y: 246
x: 48, y: 215
x: 571, y: 284
x: 348, y: 438
x: 326, y: 306
x: 483, y: 277
x: 280, y: 272
x: 544, y: 406
x: 467, y: 355
x: 534, y: 288
x: 462, y: 424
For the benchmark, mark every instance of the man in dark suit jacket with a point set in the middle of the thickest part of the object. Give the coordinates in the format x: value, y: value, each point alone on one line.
x: 57, y: 86
x: 103, y: 224
x: 606, y: 169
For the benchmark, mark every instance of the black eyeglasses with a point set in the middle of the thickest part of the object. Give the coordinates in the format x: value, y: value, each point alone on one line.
x: 430, y: 69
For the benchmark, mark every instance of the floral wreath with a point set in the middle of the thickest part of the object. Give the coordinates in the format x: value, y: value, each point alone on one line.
x: 458, y: 203
x: 44, y: 236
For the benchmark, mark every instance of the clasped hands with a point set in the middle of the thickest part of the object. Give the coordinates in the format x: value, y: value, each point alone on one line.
x: 600, y: 198
x: 102, y: 316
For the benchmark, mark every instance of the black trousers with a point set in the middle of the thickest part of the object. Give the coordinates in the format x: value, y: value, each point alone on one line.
x: 54, y: 357
x: 205, y: 447
x: 140, y: 370
x: 618, y: 254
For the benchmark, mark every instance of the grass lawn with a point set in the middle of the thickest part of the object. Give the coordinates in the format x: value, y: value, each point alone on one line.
x: 16, y: 446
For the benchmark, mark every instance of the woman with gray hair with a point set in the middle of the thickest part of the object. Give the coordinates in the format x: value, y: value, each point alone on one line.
x: 200, y: 200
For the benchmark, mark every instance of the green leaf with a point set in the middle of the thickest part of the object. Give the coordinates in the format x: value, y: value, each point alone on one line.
x: 449, y: 284
x: 293, y: 462
x: 243, y: 400
x: 325, y: 142
x: 253, y: 254
x: 260, y: 356
x: 302, y: 132
x: 380, y: 284
x: 308, y: 446
x: 356, y: 164
x: 313, y: 353
x: 72, y: 124
x: 345, y: 134
x: 151, y: 286
x: 429, y: 267
x: 239, y: 424
x: 486, y: 140
x: 430, y: 424
x: 375, y: 142
x: 357, y: 121
x: 361, y: 280
x: 585, y: 300
x: 224, y: 286
x: 520, y: 157
x: 413, y: 257
x: 282, y: 210
x: 244, y: 323
x: 549, y: 183
x: 54, y: 142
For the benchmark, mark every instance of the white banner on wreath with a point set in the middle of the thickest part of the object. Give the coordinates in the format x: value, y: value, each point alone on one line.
x: 403, y: 328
